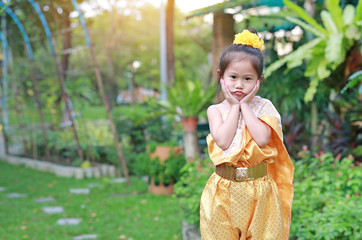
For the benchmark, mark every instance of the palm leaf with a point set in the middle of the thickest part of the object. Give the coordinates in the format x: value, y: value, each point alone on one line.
x: 358, y: 16
x: 336, y: 13
x: 328, y: 22
x: 353, y: 80
x: 300, y: 53
x: 304, y: 15
x: 335, y: 52
x: 306, y: 26
x: 348, y: 14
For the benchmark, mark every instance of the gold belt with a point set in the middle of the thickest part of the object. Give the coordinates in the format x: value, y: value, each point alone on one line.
x: 242, y: 174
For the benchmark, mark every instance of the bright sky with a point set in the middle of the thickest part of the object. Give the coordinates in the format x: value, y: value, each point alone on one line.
x: 188, y: 5
x: 183, y: 5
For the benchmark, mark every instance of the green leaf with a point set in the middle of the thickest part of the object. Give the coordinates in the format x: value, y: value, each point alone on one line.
x: 358, y: 16
x: 353, y: 80
x: 333, y: 52
x: 322, y: 71
x: 304, y: 15
x: 306, y: 26
x: 312, y: 65
x: 299, y: 53
x: 348, y: 14
x: 335, y: 12
x: 311, y: 90
x: 328, y: 22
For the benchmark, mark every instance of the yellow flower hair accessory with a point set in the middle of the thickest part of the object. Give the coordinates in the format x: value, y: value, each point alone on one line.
x: 249, y: 39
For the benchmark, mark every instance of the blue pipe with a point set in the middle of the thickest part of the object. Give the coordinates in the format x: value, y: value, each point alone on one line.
x: 45, y: 25
x: 4, y: 44
x: 21, y: 28
x: 82, y: 22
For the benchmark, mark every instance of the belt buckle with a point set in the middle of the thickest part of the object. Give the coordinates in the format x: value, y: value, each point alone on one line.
x: 241, y: 174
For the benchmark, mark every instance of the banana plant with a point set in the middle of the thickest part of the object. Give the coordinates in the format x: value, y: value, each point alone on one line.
x: 341, y: 30
x: 187, y: 99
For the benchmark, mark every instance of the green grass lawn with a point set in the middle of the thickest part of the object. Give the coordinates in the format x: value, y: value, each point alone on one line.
x: 111, y: 210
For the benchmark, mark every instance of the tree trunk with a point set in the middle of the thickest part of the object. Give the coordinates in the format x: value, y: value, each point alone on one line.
x: 191, y: 140
x: 170, y: 42
x: 222, y: 36
x: 67, y: 43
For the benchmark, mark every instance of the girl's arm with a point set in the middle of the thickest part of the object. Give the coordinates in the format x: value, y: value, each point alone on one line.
x: 259, y: 130
x: 223, y: 132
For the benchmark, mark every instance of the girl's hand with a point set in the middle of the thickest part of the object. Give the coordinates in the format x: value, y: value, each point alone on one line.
x: 247, y: 99
x: 227, y: 94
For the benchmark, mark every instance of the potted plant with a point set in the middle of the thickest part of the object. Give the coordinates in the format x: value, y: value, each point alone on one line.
x: 187, y: 100
x: 162, y: 163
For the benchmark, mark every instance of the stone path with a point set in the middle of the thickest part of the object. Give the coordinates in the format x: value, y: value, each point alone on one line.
x: 53, y: 210
x: 86, y: 236
x: 59, y: 209
x: 79, y: 190
x: 16, y: 195
x: 69, y: 221
x: 45, y: 199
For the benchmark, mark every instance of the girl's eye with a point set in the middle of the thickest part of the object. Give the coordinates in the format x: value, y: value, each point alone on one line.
x: 233, y: 77
x: 247, y: 79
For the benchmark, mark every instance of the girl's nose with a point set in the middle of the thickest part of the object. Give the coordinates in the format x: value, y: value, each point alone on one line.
x: 239, y: 84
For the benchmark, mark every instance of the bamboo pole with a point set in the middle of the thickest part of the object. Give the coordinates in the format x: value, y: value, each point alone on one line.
x: 40, y: 109
x: 66, y: 102
x: 109, y: 114
x: 19, y: 115
x: 101, y: 90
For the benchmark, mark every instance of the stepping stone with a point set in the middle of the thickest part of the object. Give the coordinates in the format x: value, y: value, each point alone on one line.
x: 2, y: 189
x: 118, y: 180
x: 93, y: 185
x: 52, y: 210
x: 86, y: 236
x: 16, y: 195
x: 69, y: 221
x: 80, y: 190
x: 43, y: 200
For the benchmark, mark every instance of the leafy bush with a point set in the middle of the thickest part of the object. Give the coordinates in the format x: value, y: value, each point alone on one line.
x: 136, y: 132
x: 166, y: 172
x: 327, y: 198
x: 190, y: 186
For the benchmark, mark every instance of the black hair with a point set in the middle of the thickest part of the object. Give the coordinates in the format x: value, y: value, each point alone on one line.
x: 238, y: 52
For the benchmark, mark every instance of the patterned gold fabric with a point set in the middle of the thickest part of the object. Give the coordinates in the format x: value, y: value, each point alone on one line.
x: 258, y: 209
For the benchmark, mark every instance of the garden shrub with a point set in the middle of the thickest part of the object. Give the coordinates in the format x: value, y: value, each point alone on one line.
x: 167, y: 172
x: 327, y: 198
x: 188, y: 190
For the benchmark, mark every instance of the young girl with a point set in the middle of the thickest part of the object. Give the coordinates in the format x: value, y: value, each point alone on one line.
x: 249, y: 196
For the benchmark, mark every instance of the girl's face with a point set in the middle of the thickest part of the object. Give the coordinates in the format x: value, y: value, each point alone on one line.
x: 240, y: 77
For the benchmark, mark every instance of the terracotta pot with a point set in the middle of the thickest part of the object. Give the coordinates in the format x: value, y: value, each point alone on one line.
x: 161, y: 189
x: 189, y: 124
x: 163, y: 152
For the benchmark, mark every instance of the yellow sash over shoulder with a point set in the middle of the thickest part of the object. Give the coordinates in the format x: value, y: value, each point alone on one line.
x: 245, y: 152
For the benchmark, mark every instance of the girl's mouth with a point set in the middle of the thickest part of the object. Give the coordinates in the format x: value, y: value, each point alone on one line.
x: 239, y: 93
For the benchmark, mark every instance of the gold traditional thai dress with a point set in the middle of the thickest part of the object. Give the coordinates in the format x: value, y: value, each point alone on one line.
x: 258, y: 209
